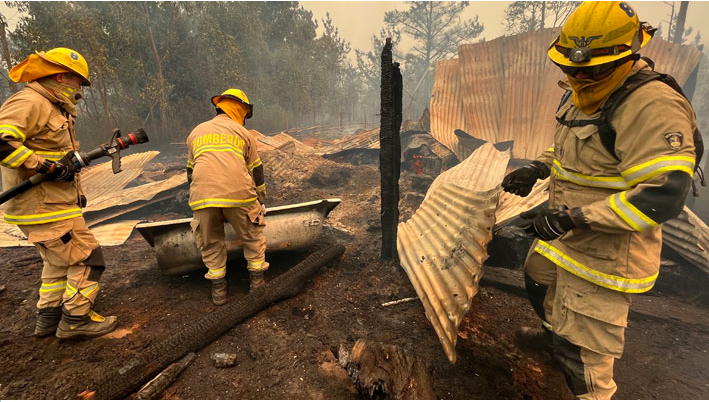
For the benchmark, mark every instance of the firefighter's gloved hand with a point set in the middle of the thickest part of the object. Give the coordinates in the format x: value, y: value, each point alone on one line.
x: 521, y: 181
x: 548, y: 224
x: 189, y: 176
x: 263, y: 209
x: 63, y: 169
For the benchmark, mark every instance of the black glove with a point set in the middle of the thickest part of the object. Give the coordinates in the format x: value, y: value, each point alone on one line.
x: 550, y: 224
x: 62, y: 169
x: 189, y: 176
x: 522, y: 180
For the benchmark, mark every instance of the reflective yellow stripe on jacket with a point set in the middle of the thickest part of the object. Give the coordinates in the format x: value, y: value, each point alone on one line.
x: 629, y: 213
x: 16, y: 158
x: 253, y: 165
x: 50, y: 155
x: 43, y: 218
x: 13, y: 131
x: 612, y: 182
x: 648, y: 170
x: 220, y: 203
x: 261, y: 187
x: 218, y: 148
x: 599, y: 278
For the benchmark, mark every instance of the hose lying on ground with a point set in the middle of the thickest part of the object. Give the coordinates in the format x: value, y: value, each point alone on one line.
x: 120, y: 382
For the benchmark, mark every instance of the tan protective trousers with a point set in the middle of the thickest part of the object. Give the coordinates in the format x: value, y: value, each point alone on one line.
x: 588, y: 324
x: 64, y: 246
x: 208, y: 229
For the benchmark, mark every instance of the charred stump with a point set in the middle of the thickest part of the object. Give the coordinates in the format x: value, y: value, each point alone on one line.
x: 390, y: 149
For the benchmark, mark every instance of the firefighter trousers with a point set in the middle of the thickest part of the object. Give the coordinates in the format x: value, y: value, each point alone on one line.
x: 588, y: 324
x: 208, y: 229
x: 72, y: 264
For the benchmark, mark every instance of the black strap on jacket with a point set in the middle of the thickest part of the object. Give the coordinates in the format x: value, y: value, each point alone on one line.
x: 605, y: 129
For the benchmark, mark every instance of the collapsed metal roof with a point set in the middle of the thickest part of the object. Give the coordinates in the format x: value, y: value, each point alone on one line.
x: 506, y: 89
x: 442, y: 246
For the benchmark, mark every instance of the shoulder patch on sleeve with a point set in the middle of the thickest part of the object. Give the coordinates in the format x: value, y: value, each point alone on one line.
x: 673, y: 140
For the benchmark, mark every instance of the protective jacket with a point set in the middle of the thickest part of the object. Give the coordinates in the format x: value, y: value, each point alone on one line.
x: 622, y: 201
x: 34, y: 127
x: 222, y: 155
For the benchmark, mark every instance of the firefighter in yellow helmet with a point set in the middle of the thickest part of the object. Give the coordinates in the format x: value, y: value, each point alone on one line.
x: 227, y: 184
x: 621, y: 164
x: 37, y: 136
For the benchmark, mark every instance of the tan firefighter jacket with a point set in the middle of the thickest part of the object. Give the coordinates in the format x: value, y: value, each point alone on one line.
x: 624, y: 202
x: 222, y: 154
x: 32, y: 128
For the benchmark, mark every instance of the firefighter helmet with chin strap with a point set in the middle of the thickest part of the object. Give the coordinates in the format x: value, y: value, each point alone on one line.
x: 599, y: 32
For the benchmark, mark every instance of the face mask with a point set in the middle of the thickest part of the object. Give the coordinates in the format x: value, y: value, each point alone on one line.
x: 66, y: 94
x: 589, y: 94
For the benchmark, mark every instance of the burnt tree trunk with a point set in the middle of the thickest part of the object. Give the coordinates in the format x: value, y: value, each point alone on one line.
x: 6, y: 51
x: 390, y: 149
x: 681, y: 18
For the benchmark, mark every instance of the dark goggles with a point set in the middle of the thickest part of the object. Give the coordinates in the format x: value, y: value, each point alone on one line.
x: 592, y: 71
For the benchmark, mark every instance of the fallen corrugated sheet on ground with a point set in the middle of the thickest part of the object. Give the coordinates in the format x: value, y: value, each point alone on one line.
x: 442, y: 247
x: 688, y: 236
x: 506, y: 89
x: 367, y: 139
x: 99, y: 180
x: 327, y: 132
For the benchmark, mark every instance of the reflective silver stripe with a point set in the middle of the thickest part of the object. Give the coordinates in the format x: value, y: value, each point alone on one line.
x: 261, y: 187
x: 189, y: 164
x: 52, y: 156
x: 629, y: 213
x: 640, y: 173
x: 87, y: 291
x: 70, y: 290
x: 599, y: 278
x: 216, y: 273
x: 218, y: 148
x: 220, y: 203
x: 612, y: 182
x: 17, y: 157
x: 14, y: 131
x: 53, y: 287
x: 254, y: 265
x: 254, y: 164
x: 42, y: 218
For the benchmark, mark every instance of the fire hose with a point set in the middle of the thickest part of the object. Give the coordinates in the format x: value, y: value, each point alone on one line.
x: 81, y: 160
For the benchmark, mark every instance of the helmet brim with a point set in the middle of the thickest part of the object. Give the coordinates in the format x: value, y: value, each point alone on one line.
x: 84, y: 81
x: 558, y: 58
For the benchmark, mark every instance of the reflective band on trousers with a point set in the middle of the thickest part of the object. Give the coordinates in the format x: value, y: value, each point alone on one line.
x: 43, y: 218
x: 253, y: 165
x: 216, y: 273
x: 220, y: 203
x: 218, y: 148
x: 13, y: 131
x: 648, y: 170
x: 254, y: 265
x: 599, y: 278
x: 53, y: 287
x: 16, y: 158
x: 613, y: 182
x: 629, y: 213
x: 86, y: 292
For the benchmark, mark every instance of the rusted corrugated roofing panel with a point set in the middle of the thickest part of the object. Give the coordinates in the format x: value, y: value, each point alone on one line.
x: 99, y: 180
x: 442, y: 249
x: 482, y: 170
x: 688, y: 236
x: 447, y: 107
x: 366, y: 139
x: 672, y: 58
x: 510, y: 88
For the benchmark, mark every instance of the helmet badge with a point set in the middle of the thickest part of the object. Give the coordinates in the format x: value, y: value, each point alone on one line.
x: 584, y: 41
x: 74, y: 56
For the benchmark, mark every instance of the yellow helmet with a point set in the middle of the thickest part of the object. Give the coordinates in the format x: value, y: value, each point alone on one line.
x: 239, y: 96
x: 70, y: 59
x: 599, y: 32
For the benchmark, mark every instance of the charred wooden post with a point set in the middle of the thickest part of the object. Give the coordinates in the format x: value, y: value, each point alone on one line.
x: 390, y: 149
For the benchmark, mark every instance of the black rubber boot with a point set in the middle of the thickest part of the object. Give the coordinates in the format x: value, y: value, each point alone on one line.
x: 47, y: 321
x: 89, y: 325
x: 534, y: 338
x: 219, y: 291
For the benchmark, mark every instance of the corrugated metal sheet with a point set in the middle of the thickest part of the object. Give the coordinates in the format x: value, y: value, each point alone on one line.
x: 260, y: 144
x: 508, y: 89
x: 512, y: 205
x: 689, y: 237
x: 282, y: 140
x: 99, y: 180
x: 447, y: 107
x: 442, y: 249
x: 111, y: 234
x: 367, y: 139
x: 481, y: 171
